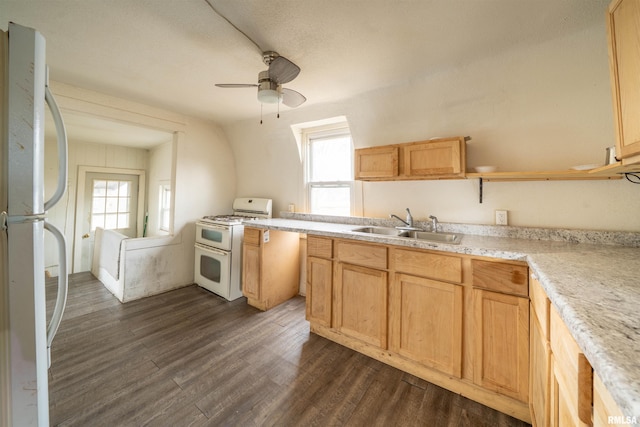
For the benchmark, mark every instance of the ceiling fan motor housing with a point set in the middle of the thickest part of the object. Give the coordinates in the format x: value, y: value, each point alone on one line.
x: 268, y: 90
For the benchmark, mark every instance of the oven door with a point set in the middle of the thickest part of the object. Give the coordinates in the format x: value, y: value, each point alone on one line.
x: 212, y: 270
x: 216, y: 236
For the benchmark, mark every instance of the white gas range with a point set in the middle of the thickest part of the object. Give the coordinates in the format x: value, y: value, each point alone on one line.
x: 218, y: 260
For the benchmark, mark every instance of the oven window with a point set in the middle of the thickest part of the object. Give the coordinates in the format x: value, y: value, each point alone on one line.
x: 212, y: 235
x: 210, y: 268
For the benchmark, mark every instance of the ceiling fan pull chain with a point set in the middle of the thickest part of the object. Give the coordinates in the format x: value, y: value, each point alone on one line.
x: 278, y: 109
x: 261, y: 113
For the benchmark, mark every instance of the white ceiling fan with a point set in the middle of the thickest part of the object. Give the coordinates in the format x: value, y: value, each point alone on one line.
x: 270, y: 81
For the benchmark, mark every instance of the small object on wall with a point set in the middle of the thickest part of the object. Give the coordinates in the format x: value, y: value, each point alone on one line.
x: 144, y: 227
x: 610, y: 155
x: 502, y: 217
x: 292, y: 207
x: 486, y: 169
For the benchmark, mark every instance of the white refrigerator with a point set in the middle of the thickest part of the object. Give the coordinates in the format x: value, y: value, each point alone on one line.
x: 26, y: 333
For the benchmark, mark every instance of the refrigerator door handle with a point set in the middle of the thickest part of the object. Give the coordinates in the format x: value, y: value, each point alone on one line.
x: 63, y: 286
x: 62, y: 147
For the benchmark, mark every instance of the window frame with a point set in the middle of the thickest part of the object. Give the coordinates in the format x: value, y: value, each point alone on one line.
x: 104, y: 199
x: 163, y: 187
x: 326, y: 132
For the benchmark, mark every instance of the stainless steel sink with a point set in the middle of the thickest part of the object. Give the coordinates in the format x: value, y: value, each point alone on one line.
x: 450, y: 238
x: 383, y: 231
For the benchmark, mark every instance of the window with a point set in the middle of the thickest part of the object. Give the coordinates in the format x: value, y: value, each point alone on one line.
x: 329, y: 171
x: 164, y: 210
x: 111, y: 203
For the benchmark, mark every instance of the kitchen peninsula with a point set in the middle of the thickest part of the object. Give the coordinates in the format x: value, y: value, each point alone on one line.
x: 589, y: 277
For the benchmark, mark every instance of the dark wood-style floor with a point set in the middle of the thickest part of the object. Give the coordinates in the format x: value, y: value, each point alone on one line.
x: 189, y: 358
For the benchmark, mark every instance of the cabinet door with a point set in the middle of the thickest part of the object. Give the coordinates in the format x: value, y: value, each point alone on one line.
x: 573, y: 376
x: 319, y: 280
x: 624, y: 60
x: 561, y: 413
x: 539, y: 374
x: 444, y: 158
x: 251, y: 271
x: 501, y: 335
x: 605, y: 407
x: 361, y: 303
x: 376, y: 162
x: 425, y: 318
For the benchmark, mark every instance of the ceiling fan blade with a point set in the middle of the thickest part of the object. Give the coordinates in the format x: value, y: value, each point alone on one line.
x: 291, y: 98
x: 281, y: 70
x: 235, y: 85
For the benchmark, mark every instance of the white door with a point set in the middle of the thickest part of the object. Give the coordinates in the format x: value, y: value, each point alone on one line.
x: 110, y: 202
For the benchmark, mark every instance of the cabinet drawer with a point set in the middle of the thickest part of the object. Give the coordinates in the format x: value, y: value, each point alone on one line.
x: 571, y: 368
x: 501, y: 277
x: 252, y: 236
x: 540, y: 304
x: 319, y: 247
x: 425, y: 264
x: 359, y: 254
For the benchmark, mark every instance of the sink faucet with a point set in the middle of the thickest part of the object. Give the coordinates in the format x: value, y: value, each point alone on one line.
x: 434, y: 223
x: 408, y: 222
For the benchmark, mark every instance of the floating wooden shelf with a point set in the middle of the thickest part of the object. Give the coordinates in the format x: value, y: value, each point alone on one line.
x: 561, y: 175
x: 612, y: 171
x: 615, y: 168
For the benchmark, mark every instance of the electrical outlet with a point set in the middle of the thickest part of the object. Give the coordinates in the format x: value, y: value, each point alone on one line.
x: 502, y: 217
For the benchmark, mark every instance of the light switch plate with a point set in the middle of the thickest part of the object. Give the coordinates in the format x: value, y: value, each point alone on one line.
x: 502, y: 217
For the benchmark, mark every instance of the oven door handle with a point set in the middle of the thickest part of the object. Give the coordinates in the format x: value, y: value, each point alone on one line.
x: 210, y: 249
x: 212, y: 226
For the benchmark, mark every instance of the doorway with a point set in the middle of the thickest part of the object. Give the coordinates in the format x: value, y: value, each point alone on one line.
x: 112, y: 199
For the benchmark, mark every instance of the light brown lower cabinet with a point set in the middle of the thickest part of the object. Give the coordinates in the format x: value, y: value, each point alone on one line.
x: 270, y: 267
x: 501, y: 359
x: 605, y: 409
x: 414, y: 309
x: 360, y: 303
x: 540, y: 361
x: 564, y: 390
x: 425, y: 318
x: 319, y: 290
x: 571, y: 378
x: 476, y: 326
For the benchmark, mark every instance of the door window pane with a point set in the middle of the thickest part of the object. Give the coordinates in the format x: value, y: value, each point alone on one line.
x: 111, y: 204
x: 99, y: 188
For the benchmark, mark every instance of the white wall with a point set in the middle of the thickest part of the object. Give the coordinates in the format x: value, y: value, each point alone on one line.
x: 543, y: 107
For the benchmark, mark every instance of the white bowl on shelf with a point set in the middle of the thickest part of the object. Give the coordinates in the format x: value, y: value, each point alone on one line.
x: 486, y: 169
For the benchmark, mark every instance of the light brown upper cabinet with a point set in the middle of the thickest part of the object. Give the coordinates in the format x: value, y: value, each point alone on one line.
x: 437, y: 158
x: 376, y: 163
x: 624, y: 60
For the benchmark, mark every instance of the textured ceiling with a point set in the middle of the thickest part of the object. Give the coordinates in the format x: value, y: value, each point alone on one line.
x: 170, y: 53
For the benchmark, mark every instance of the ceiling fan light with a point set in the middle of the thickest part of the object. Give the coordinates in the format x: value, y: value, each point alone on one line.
x: 268, y: 96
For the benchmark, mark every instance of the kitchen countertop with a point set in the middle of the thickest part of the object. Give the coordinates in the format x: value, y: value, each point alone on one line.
x: 594, y: 286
